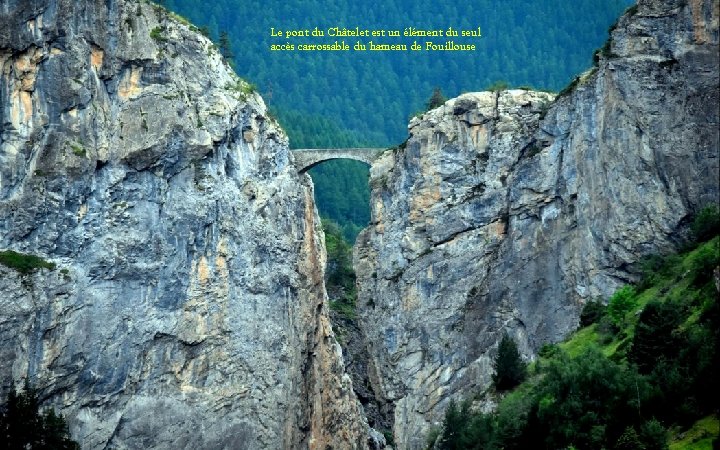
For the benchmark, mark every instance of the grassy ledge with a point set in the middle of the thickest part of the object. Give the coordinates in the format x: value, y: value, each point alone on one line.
x: 640, y: 373
x: 24, y: 263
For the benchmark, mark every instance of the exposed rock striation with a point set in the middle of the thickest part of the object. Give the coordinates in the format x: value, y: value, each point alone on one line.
x: 187, y: 309
x: 505, y: 212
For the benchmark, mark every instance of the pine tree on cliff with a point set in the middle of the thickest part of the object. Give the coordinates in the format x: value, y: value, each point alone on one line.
x: 453, y: 425
x: 226, y: 46
x: 510, y: 370
x: 22, y: 426
x: 436, y: 99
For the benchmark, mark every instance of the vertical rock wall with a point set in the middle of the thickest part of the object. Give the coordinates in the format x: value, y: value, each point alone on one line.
x: 187, y: 308
x: 505, y: 214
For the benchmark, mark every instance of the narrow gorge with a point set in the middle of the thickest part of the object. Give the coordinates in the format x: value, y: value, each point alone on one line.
x: 180, y: 302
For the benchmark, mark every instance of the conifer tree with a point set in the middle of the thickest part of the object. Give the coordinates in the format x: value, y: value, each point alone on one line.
x: 204, y: 30
x: 510, y: 370
x: 226, y: 46
x: 453, y: 425
x: 23, y: 426
x: 436, y: 99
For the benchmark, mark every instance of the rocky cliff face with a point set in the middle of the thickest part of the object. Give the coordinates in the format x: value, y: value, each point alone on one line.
x: 187, y: 308
x: 505, y: 212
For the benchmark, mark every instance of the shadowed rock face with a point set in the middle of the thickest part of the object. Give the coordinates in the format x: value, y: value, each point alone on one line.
x: 503, y: 213
x: 187, y: 309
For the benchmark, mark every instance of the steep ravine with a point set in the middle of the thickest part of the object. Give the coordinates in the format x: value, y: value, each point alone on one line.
x: 506, y: 212
x: 187, y: 307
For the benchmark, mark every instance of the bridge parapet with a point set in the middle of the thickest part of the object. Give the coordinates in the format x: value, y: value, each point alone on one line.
x: 307, y: 158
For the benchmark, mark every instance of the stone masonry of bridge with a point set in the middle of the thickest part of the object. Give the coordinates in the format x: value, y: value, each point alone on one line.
x: 307, y: 158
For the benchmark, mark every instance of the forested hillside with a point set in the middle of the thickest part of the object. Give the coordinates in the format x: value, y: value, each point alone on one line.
x: 365, y: 98
x: 525, y: 42
x: 640, y: 373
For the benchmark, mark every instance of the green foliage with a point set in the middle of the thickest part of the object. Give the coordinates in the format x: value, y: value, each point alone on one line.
x: 603, y: 52
x: 587, y: 400
x: 706, y: 224
x: 512, y: 419
x: 687, y: 382
x: 655, y: 372
x: 497, y: 86
x: 77, y: 149
x: 157, y: 34
x: 342, y: 193
x: 621, y: 303
x: 180, y: 19
x: 367, y: 97
x: 454, y: 425
x: 242, y: 88
x: 510, y: 369
x: 655, y: 269
x: 653, y: 435
x: 160, y: 8
x: 567, y: 90
x: 437, y: 99
x: 701, y: 436
x: 339, y: 273
x: 345, y: 306
x: 592, y: 312
x: 249, y: 88
x: 703, y: 263
x: 629, y: 440
x: 225, y: 46
x: 339, y: 270
x: 389, y: 438
x: 432, y: 437
x: 24, y: 263
x: 369, y: 92
x: 655, y: 336
x: 204, y: 30
x: 23, y: 426
x: 549, y: 351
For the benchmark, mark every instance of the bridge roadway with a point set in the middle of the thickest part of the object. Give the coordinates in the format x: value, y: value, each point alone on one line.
x: 307, y: 158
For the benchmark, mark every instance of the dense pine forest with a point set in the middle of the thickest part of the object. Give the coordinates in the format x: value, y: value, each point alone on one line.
x: 366, y: 98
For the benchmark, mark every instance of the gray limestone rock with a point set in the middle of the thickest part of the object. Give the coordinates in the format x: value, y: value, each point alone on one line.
x: 187, y: 309
x: 508, y: 211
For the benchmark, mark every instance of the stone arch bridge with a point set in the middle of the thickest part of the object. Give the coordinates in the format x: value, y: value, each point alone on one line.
x: 307, y: 158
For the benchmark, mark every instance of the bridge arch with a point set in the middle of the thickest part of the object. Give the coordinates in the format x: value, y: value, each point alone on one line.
x: 307, y: 158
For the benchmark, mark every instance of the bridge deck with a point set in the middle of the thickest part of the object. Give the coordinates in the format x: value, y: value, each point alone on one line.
x: 345, y: 149
x: 306, y: 158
